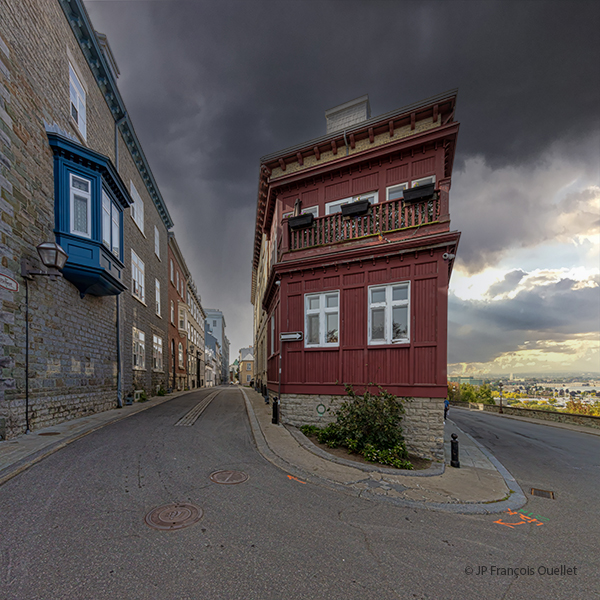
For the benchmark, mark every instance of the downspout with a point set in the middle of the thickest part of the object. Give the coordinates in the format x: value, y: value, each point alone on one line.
x: 118, y: 324
x: 346, y: 142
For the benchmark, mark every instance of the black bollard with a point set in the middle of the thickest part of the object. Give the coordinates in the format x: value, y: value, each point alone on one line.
x: 454, y: 452
x: 275, y: 419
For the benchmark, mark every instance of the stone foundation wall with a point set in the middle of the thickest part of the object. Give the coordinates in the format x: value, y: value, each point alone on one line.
x: 422, y: 425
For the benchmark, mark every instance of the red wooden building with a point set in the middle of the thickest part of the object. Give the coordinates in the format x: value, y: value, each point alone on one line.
x: 354, y: 251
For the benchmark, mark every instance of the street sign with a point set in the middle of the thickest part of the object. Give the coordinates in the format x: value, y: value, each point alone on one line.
x: 8, y: 283
x: 291, y: 336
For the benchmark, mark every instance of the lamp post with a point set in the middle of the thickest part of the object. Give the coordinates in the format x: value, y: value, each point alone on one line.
x: 500, y: 386
x: 53, y: 258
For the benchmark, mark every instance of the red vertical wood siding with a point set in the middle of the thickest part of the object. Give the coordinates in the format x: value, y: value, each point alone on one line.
x: 424, y: 310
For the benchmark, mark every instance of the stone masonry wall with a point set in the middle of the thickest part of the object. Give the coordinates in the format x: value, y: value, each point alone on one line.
x: 423, y: 425
x: 72, y: 370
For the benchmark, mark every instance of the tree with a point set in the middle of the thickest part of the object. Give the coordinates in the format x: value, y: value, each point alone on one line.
x: 484, y: 394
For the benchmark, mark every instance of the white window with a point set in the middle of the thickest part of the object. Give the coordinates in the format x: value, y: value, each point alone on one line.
x: 171, y: 271
x: 248, y: 367
x: 336, y: 206
x: 156, y: 242
x: 389, y: 314
x: 322, y: 316
x: 137, y: 277
x: 312, y: 210
x: 423, y: 181
x: 172, y: 312
x: 248, y: 378
x: 177, y: 281
x: 157, y: 353
x: 181, y: 319
x: 157, y: 296
x: 81, y: 206
x: 180, y: 355
x: 111, y: 224
x: 395, y: 192
x: 137, y: 208
x: 139, y: 349
x: 77, y: 102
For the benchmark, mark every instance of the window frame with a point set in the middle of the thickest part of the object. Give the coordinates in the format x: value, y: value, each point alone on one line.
x: 422, y: 181
x: 114, y: 226
x: 314, y: 210
x: 136, y: 261
x: 392, y: 188
x: 156, y: 242
x: 388, y: 306
x: 87, y: 196
x: 137, y: 208
x: 322, y: 312
x: 180, y: 355
x: 139, y: 343
x: 77, y: 92
x: 157, y: 297
x: 372, y: 196
x: 157, y: 353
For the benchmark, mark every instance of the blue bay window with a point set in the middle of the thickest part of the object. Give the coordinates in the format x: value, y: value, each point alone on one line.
x: 90, y: 198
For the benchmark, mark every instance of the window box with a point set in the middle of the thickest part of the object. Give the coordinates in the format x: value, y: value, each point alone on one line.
x: 90, y: 198
x: 301, y: 221
x: 421, y: 192
x: 355, y: 209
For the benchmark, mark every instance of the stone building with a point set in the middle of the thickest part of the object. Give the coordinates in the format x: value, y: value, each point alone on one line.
x: 216, y: 321
x: 178, y: 276
x: 195, y: 317
x: 72, y: 171
x: 352, y: 260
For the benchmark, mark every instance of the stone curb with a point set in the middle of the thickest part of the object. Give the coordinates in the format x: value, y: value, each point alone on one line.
x: 435, y: 468
x: 28, y: 461
x: 516, y: 500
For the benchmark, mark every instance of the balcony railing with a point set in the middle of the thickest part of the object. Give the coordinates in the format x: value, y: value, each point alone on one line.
x: 383, y: 217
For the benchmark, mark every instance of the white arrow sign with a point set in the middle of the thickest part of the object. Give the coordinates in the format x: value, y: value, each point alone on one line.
x: 291, y: 336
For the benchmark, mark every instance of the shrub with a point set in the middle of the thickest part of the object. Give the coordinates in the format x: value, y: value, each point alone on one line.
x: 368, y: 424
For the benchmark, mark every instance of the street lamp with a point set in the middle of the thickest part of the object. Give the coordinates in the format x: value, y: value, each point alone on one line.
x: 53, y: 257
x: 500, y: 385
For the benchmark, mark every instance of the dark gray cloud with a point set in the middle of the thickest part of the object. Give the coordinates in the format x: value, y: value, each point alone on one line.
x: 212, y: 86
x: 508, y: 284
x: 559, y: 311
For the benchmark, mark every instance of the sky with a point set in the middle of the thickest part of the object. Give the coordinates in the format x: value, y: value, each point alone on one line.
x: 213, y: 85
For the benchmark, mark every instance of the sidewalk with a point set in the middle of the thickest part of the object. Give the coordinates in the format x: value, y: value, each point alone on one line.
x: 22, y: 452
x: 481, y: 485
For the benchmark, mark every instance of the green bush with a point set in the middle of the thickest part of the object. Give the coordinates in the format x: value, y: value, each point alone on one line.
x: 368, y: 424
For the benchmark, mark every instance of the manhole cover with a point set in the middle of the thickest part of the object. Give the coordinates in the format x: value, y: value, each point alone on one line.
x: 49, y: 433
x: 229, y: 477
x: 542, y: 493
x: 173, y: 516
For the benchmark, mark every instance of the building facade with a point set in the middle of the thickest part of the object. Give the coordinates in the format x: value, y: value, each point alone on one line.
x: 216, y: 321
x: 178, y: 276
x: 195, y: 317
x: 72, y: 171
x: 246, y: 365
x: 352, y: 259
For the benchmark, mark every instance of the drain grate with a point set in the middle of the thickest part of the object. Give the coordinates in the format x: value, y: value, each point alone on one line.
x: 542, y: 493
x: 49, y: 433
x: 173, y: 516
x: 229, y: 477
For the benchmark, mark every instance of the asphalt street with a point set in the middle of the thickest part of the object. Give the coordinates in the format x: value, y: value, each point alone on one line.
x: 73, y: 526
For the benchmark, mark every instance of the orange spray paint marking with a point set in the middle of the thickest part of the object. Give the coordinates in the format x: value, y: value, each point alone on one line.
x: 296, y: 479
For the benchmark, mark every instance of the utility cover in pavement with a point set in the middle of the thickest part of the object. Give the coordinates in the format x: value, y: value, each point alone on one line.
x: 173, y: 516
x: 542, y: 493
x: 229, y: 477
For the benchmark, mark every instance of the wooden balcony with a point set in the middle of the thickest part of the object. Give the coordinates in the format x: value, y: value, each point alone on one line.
x: 384, y: 222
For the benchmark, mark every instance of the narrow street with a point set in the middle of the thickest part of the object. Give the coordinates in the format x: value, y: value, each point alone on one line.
x: 72, y: 526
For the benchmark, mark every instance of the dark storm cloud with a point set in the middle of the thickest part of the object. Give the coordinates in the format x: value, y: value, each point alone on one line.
x: 558, y: 311
x: 212, y: 86
x: 509, y: 283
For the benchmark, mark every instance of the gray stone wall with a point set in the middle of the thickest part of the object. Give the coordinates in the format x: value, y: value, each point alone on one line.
x: 423, y: 425
x: 135, y: 313
x: 72, y: 349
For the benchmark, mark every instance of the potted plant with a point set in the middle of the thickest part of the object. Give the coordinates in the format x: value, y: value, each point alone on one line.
x: 357, y: 208
x: 301, y: 221
x: 421, y: 192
